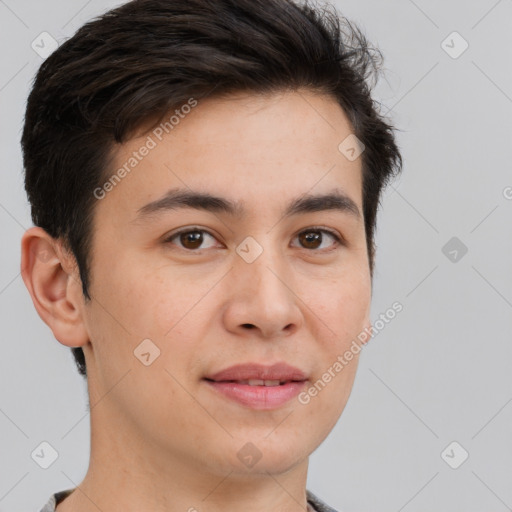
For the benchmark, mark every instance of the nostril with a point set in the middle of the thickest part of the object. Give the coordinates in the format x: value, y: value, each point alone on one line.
x: 250, y: 326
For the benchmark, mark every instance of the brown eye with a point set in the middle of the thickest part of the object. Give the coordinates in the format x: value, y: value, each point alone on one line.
x: 310, y: 239
x: 191, y: 239
x: 313, y: 238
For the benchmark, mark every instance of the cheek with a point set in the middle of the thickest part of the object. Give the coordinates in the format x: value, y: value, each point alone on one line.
x: 140, y: 298
x: 126, y: 308
x: 165, y: 304
x: 164, y: 307
x: 344, y: 308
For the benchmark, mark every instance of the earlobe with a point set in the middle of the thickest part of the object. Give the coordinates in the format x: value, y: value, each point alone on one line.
x: 54, y: 286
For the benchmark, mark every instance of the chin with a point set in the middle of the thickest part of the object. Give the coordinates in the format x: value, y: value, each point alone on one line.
x: 253, y: 455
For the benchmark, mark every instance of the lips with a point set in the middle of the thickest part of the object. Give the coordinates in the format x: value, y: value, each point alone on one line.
x: 257, y: 386
x: 257, y: 374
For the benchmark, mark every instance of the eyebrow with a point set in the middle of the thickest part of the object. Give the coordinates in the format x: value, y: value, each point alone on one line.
x: 177, y: 198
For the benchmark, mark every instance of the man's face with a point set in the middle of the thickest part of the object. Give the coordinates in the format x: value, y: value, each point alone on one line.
x: 258, y: 288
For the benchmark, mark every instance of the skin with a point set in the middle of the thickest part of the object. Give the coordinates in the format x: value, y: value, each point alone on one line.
x: 159, y: 434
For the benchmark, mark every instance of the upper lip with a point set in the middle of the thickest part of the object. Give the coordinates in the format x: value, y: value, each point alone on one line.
x: 278, y: 371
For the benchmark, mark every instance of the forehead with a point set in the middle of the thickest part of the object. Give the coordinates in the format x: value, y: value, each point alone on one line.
x: 243, y: 147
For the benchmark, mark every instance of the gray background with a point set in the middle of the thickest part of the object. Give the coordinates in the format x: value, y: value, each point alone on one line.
x: 439, y: 372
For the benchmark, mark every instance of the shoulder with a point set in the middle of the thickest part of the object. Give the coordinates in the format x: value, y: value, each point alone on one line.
x: 55, y: 499
x: 317, y: 504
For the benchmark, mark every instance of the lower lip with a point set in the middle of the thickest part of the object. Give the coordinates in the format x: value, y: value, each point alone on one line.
x: 259, y: 397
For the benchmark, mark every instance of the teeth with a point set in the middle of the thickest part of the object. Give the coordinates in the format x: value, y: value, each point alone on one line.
x: 259, y: 382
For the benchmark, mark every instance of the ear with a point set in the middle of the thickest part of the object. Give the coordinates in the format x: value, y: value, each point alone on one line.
x: 50, y: 275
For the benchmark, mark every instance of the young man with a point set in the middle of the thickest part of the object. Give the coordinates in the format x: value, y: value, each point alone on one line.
x: 204, y: 179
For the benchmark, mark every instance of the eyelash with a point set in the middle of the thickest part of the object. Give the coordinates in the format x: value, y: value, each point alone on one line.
x: 338, y: 239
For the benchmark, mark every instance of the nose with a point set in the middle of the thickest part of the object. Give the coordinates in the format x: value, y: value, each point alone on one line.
x: 263, y: 300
